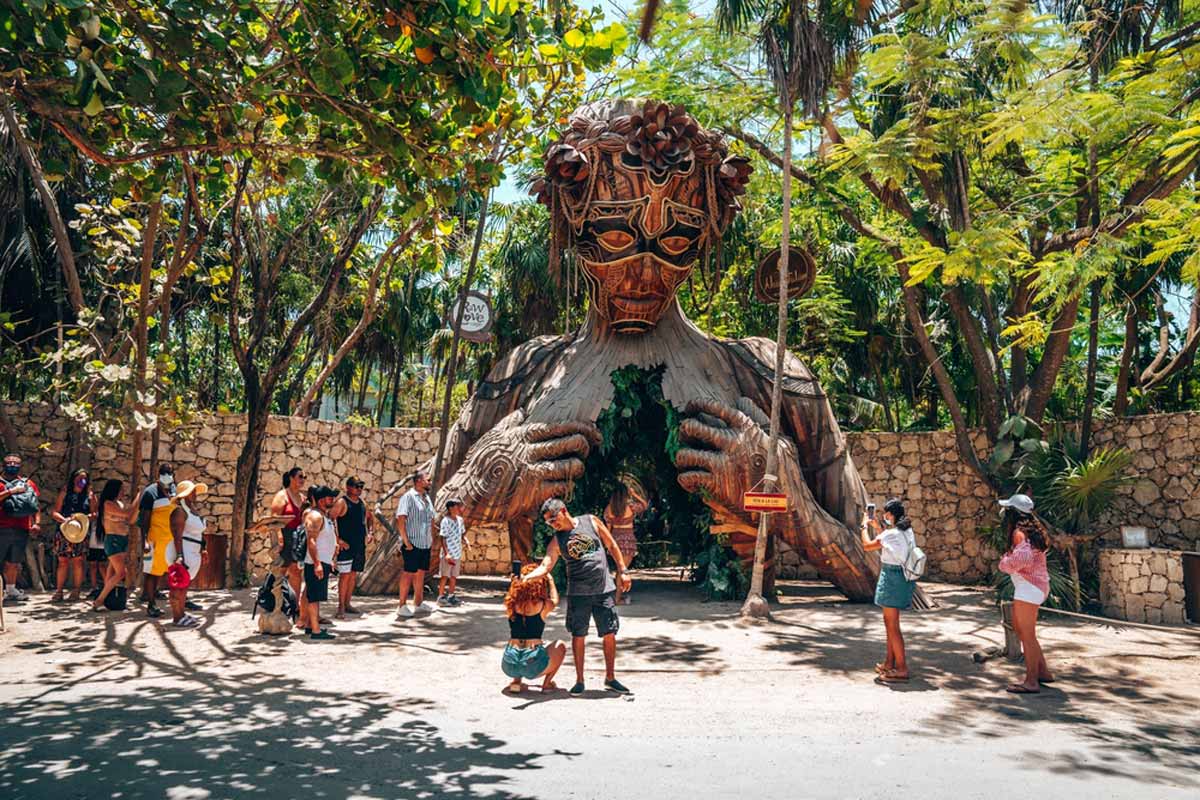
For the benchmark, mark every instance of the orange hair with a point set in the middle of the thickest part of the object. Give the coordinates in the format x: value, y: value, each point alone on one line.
x: 524, y: 593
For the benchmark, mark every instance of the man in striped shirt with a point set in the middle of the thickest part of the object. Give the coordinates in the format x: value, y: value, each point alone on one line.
x: 414, y: 523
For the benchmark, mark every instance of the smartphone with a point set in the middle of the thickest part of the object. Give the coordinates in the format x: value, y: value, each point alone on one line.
x: 871, y: 510
x: 516, y: 568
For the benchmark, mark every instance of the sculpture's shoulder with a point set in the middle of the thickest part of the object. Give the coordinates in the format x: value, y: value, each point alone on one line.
x: 521, y: 365
x: 758, y: 354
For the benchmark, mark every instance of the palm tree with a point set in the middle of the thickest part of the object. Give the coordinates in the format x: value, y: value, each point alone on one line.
x: 801, y: 44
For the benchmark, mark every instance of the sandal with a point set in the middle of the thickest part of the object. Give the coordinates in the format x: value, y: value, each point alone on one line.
x: 550, y: 687
x: 1020, y: 688
x: 514, y: 688
x: 99, y: 609
x: 881, y: 669
x: 892, y: 677
x: 57, y: 597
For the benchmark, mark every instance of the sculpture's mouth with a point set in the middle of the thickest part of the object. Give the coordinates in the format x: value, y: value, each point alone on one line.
x: 638, y: 304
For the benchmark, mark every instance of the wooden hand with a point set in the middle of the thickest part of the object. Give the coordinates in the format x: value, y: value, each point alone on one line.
x: 516, y: 466
x: 725, y: 452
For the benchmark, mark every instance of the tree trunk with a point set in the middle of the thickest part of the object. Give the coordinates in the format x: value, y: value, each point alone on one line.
x: 1053, y: 356
x: 245, y: 478
x: 756, y: 606
x: 1121, y: 401
x: 133, y: 558
x: 1089, y: 399
x: 62, y: 241
x: 453, y: 365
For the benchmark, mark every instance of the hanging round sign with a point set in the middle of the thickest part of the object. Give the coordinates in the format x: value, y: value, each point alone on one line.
x: 476, y: 319
x: 802, y: 274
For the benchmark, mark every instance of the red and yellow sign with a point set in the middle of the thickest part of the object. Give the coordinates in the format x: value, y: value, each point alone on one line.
x: 764, y: 501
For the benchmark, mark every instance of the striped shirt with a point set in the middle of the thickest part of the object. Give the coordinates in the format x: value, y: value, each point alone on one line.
x: 417, y: 511
x: 452, y: 534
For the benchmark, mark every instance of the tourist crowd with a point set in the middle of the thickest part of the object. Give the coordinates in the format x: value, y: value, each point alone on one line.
x: 323, y: 532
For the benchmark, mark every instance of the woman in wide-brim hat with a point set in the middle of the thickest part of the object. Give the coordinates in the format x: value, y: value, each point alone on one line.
x: 75, y: 498
x: 189, y: 552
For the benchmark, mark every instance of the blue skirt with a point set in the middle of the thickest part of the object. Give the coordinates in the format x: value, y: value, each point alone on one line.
x: 894, y: 590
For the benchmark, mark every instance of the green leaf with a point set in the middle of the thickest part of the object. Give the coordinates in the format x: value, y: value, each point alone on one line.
x: 95, y: 106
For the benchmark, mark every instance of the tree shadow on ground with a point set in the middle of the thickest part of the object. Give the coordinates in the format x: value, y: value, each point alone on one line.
x: 1147, y: 728
x: 220, y: 735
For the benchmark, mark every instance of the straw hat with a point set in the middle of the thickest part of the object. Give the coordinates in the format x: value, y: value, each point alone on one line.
x: 185, y: 488
x: 75, y: 529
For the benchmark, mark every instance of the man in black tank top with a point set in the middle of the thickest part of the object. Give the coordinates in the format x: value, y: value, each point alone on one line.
x: 591, y: 590
x: 354, y: 525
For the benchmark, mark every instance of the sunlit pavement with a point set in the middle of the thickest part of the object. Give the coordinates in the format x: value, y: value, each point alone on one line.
x: 115, y: 705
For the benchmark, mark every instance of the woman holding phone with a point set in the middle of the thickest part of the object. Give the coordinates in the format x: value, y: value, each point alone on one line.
x: 894, y: 592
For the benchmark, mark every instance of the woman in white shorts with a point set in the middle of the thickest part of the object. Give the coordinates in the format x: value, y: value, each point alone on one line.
x: 186, y: 495
x: 1025, y: 563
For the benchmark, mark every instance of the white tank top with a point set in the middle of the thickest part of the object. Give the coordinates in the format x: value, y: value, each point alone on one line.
x: 193, y: 527
x: 326, y: 544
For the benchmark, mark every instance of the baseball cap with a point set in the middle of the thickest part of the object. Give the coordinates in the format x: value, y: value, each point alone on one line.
x: 1020, y: 502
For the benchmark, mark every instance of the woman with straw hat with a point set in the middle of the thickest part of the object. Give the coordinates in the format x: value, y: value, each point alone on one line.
x: 185, y: 550
x: 74, y: 511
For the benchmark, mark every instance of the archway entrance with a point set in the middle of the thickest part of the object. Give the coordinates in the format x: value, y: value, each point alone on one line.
x: 641, y: 436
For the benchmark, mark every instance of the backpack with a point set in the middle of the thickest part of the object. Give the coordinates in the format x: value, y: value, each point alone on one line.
x: 23, y: 504
x: 914, y: 562
x: 265, y: 599
x: 117, y: 599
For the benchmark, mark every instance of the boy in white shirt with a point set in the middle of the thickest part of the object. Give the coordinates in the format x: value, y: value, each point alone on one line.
x: 453, y: 543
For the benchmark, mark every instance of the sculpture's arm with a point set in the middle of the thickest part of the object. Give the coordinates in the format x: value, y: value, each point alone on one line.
x: 725, y: 455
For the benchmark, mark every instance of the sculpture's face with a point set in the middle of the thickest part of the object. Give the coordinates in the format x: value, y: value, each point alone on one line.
x: 638, y: 245
x: 640, y: 191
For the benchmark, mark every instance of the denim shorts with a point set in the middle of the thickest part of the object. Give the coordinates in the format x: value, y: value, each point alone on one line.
x: 524, y: 662
x: 115, y: 545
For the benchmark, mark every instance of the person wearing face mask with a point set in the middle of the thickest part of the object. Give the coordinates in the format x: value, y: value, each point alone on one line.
x: 74, y: 498
x: 18, y: 519
x: 894, y: 592
x: 155, y: 507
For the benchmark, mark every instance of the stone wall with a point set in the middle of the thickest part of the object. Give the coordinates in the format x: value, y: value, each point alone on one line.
x: 1143, y: 585
x: 947, y: 502
x: 207, y: 451
x: 950, y: 507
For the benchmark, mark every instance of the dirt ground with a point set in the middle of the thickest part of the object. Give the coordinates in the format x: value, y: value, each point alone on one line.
x: 121, y: 706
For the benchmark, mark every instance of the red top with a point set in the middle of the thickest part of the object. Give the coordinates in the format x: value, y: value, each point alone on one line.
x: 1028, y: 562
x: 296, y: 513
x: 20, y: 523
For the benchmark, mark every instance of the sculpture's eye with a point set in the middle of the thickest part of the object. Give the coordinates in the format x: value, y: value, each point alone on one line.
x: 615, y: 241
x: 675, y: 245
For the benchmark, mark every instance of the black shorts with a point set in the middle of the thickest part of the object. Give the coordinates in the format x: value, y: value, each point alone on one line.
x: 294, y: 545
x: 416, y: 559
x: 12, y: 545
x: 316, y: 589
x: 602, y: 608
x: 352, y: 559
x: 96, y: 554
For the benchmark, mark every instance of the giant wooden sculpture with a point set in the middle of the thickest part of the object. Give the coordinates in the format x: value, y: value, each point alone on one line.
x: 640, y: 191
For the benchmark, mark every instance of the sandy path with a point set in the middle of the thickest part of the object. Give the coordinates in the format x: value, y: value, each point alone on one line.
x: 120, y: 706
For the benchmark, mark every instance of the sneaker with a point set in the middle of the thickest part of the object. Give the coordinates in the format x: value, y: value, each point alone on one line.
x: 154, y: 612
x: 577, y: 689
x: 94, y: 593
x: 190, y: 606
x: 187, y: 621
x: 616, y: 686
x: 454, y: 601
x: 16, y: 595
x: 353, y: 611
x: 443, y: 599
x: 405, y: 612
x: 322, y: 636
x: 426, y: 608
